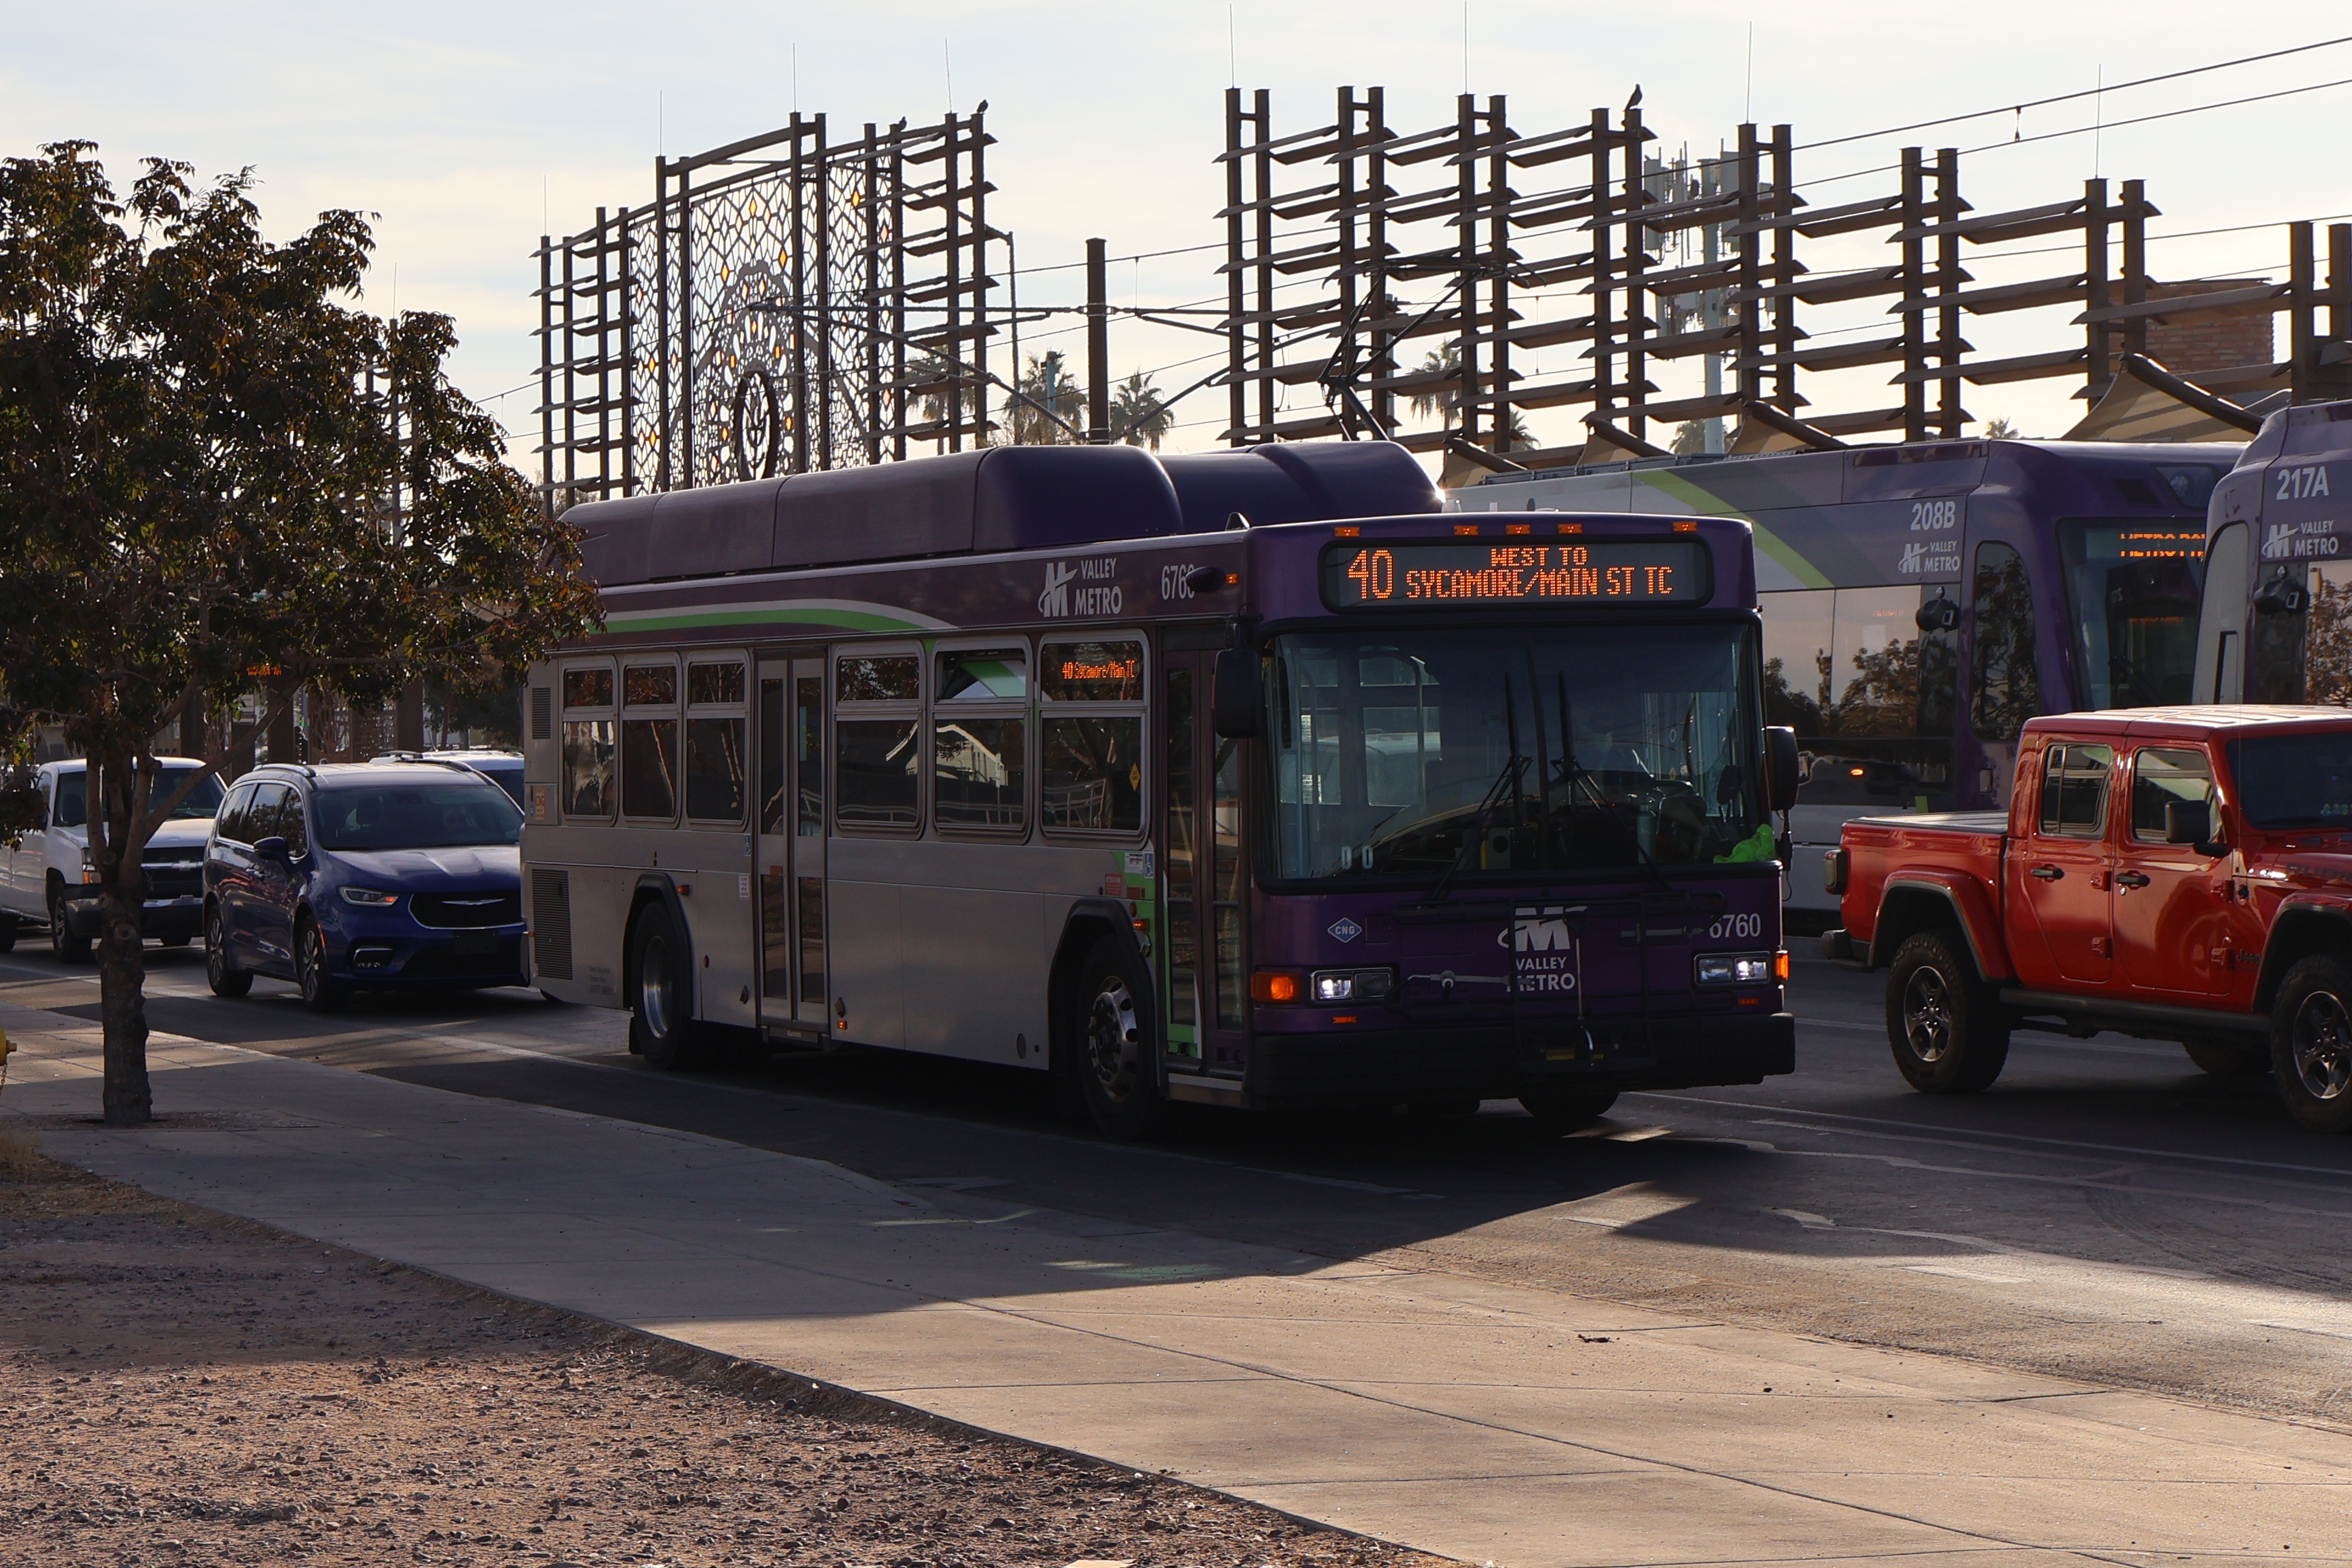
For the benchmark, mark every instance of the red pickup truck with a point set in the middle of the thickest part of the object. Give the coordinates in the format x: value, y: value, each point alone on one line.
x: 2175, y: 874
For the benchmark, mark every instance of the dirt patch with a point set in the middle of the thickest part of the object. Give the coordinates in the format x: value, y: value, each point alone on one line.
x: 182, y: 1388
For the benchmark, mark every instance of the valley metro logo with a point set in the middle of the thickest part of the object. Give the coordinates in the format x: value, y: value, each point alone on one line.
x: 1055, y: 599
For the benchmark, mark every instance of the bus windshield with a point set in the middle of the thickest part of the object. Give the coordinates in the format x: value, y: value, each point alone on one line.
x: 1490, y: 755
x: 2133, y: 588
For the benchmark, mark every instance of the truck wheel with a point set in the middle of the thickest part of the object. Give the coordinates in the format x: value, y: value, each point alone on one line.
x: 1116, y: 1051
x: 2230, y: 1056
x: 68, y: 948
x: 1947, y: 1027
x: 2311, y: 1044
x: 1559, y: 1110
x: 659, y: 1029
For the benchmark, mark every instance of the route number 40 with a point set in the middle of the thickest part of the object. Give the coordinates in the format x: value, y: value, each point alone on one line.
x: 1736, y: 926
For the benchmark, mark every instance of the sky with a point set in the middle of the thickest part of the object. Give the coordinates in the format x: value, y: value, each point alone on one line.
x: 470, y: 130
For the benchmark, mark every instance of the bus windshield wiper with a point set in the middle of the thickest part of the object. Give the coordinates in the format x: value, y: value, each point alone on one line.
x: 1507, y: 780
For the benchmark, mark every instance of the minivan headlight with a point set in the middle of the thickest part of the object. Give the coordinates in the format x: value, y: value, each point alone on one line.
x: 368, y: 898
x: 1734, y: 968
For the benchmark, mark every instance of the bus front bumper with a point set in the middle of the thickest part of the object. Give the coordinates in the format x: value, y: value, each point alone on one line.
x: 1682, y: 1052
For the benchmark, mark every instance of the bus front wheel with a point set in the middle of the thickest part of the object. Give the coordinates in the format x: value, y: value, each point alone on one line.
x: 1115, y: 1065
x: 659, y: 1029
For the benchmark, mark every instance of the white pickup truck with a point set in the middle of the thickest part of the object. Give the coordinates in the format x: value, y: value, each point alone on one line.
x: 47, y: 879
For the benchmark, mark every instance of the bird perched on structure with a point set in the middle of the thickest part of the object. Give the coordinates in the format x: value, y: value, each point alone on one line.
x: 1635, y: 101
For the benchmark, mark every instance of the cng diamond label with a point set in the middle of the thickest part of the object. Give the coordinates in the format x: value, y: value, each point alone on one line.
x: 1345, y: 929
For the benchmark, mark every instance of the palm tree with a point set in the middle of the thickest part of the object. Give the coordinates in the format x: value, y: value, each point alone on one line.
x: 1136, y: 413
x: 930, y: 370
x: 1437, y: 396
x: 1047, y: 385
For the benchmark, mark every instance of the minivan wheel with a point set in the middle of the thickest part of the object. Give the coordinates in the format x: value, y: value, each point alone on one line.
x: 68, y: 948
x: 659, y: 1029
x: 320, y: 992
x: 1944, y: 1025
x: 1117, y: 1058
x: 225, y: 978
x: 2311, y: 1044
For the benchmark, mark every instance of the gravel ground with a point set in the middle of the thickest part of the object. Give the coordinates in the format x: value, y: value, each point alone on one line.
x: 178, y: 1388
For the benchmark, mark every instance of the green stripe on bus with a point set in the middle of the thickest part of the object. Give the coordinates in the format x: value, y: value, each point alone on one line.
x: 1701, y: 504
x: 848, y: 620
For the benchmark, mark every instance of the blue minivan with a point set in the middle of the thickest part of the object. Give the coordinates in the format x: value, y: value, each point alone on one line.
x: 349, y: 876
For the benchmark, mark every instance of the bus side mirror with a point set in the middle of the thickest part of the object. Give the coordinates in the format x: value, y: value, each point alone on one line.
x: 2191, y: 822
x: 1937, y: 615
x: 2282, y: 595
x: 1236, y: 697
x: 1782, y: 770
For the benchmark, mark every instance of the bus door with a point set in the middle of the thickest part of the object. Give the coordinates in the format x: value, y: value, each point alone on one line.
x: 1200, y: 846
x: 789, y: 851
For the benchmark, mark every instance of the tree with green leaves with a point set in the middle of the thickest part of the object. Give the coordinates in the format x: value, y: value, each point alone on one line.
x: 1440, y: 396
x: 218, y: 477
x: 1050, y: 405
x: 1138, y: 415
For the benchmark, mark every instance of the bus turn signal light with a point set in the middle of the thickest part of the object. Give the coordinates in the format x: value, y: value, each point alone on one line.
x: 1274, y: 985
x: 1781, y: 966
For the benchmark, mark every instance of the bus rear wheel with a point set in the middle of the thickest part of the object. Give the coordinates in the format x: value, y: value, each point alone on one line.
x: 659, y: 1029
x: 1115, y: 1056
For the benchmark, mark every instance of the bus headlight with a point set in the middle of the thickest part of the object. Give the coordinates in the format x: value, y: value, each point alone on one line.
x: 1734, y: 968
x: 1350, y: 985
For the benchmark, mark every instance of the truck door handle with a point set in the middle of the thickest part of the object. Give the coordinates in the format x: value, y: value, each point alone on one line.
x: 2130, y: 879
x: 2047, y: 872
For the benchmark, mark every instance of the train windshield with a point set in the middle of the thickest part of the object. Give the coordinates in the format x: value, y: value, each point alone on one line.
x: 2132, y: 588
x: 1497, y: 755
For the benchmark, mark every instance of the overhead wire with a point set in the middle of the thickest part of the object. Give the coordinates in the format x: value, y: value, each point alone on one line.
x: 2070, y: 97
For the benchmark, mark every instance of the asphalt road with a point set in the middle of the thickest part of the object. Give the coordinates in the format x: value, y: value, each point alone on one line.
x: 2105, y: 1212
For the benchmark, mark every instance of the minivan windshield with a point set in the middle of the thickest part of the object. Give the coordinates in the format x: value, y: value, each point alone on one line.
x: 1492, y: 754
x: 455, y: 814
x: 202, y: 804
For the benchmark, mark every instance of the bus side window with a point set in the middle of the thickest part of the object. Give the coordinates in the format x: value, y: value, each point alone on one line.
x: 587, y: 787
x: 876, y: 765
x: 649, y: 741
x: 2004, y: 686
x: 714, y: 741
x: 1091, y: 751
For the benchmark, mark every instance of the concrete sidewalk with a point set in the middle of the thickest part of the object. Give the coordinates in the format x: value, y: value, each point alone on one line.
x: 1477, y: 1420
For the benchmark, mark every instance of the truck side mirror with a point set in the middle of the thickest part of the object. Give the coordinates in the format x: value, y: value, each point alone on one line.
x: 1236, y: 696
x: 2191, y: 822
x: 1783, y: 769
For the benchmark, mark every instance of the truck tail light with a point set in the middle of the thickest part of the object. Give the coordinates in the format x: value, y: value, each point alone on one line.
x: 1833, y: 870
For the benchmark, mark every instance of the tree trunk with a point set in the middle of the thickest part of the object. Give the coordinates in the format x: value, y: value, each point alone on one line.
x: 123, y: 1000
x: 118, y: 797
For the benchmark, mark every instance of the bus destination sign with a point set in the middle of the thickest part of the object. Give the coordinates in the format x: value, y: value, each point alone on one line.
x: 1516, y: 571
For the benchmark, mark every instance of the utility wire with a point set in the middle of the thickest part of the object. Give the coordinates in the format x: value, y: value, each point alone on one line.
x: 2070, y: 97
x: 2087, y: 130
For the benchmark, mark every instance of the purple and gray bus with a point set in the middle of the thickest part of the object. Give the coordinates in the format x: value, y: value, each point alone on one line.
x: 1246, y: 779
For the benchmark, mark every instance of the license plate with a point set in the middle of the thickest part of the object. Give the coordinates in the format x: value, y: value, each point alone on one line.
x: 474, y: 944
